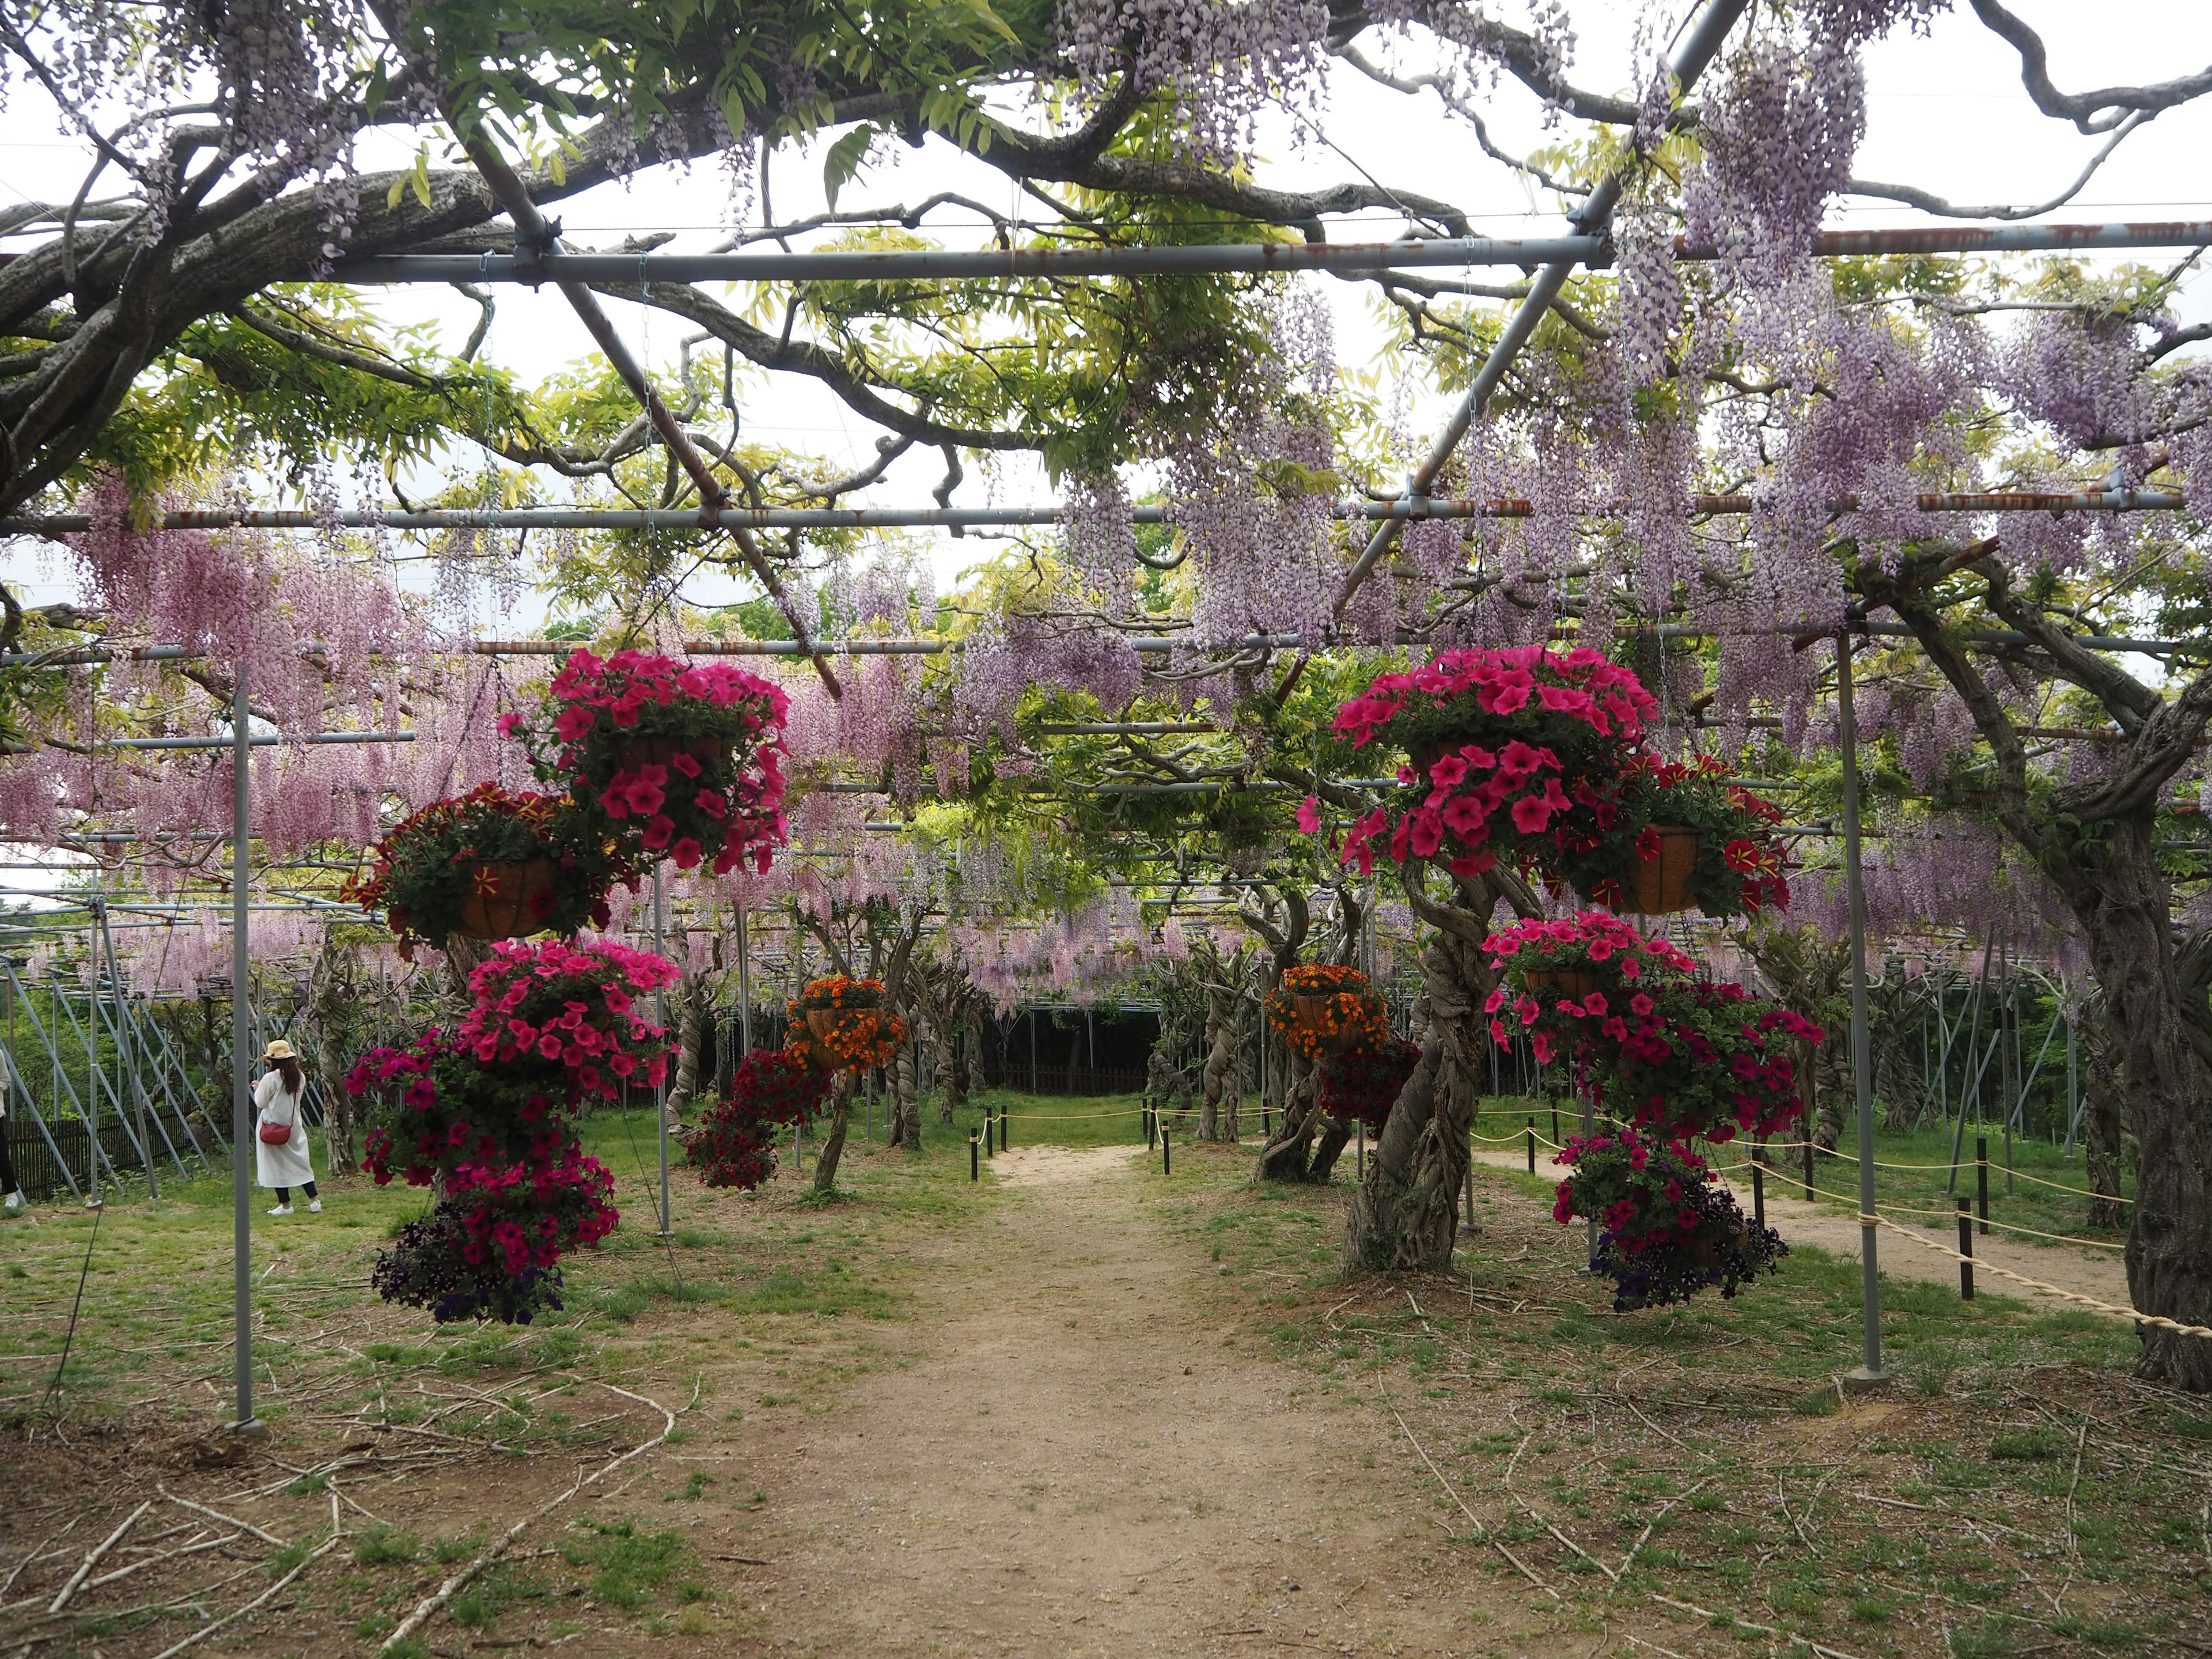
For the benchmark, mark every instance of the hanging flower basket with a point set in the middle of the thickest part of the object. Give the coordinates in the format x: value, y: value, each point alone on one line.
x: 492, y: 864
x: 1573, y: 983
x: 1701, y: 843
x: 1514, y: 754
x: 1363, y: 1085
x: 849, y: 1027
x: 735, y: 1146
x: 507, y: 899
x: 1322, y: 1009
x: 1667, y: 1229
x: 669, y: 760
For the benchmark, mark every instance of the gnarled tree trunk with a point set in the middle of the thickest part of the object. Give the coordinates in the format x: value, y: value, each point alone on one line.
x: 1405, y: 1213
x: 2168, y: 1075
x: 906, y: 1103
x: 1220, y: 1072
x: 2104, y: 1124
x: 833, y: 1147
x: 1288, y: 1155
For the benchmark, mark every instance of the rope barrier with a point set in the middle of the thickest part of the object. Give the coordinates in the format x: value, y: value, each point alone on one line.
x: 2079, y: 1192
x: 1069, y: 1117
x: 1983, y: 1265
x: 1952, y: 1215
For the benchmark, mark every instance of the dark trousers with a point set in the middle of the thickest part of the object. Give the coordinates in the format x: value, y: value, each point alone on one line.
x: 284, y: 1194
x: 8, y: 1183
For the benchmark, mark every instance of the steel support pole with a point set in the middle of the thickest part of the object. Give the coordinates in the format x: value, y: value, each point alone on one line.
x: 1870, y: 1374
x: 745, y: 987
x: 241, y: 1093
x: 660, y: 1011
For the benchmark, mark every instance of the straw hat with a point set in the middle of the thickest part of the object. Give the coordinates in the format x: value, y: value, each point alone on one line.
x: 279, y: 1050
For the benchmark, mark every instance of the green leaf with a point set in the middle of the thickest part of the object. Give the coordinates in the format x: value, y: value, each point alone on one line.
x: 420, y: 177
x: 372, y: 97
x: 991, y: 20
x: 844, y: 162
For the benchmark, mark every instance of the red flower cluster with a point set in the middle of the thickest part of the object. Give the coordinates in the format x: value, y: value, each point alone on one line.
x: 1537, y: 758
x: 714, y: 784
x: 1517, y: 750
x: 736, y: 1143
x: 570, y: 1005
x: 486, y: 1107
x: 1582, y: 685
x: 1362, y: 1085
x: 1692, y: 1056
x: 523, y: 1216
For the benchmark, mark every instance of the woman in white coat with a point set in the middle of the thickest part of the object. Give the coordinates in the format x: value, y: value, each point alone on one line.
x: 280, y: 1159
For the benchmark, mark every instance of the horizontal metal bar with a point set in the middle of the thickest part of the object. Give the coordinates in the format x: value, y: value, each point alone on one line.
x: 1206, y: 258
x: 1129, y: 728
x: 993, y: 518
x: 259, y: 742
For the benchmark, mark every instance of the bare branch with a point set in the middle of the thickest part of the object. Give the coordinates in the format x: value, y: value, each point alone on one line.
x: 1928, y: 202
x: 2092, y: 112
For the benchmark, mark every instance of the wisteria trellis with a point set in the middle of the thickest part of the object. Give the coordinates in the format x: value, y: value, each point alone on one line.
x: 1763, y: 372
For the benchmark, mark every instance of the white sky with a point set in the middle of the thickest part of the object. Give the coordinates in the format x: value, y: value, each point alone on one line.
x: 1947, y: 114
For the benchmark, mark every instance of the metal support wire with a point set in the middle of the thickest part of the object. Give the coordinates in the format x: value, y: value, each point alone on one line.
x: 94, y: 1158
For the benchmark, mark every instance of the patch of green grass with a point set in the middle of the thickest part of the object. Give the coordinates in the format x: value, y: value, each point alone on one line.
x: 629, y: 1565
x: 383, y: 1544
x: 2029, y: 1446
x: 457, y: 1547
x: 481, y: 1603
x: 1818, y: 1402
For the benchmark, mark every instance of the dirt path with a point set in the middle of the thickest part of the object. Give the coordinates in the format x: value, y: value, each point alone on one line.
x: 1077, y: 1460
x: 2084, y: 1271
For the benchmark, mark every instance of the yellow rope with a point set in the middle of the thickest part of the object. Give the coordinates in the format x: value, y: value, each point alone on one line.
x: 1947, y: 1215
x: 2132, y: 1314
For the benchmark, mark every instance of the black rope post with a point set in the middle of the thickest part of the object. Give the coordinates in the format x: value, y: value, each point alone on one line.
x: 1003, y: 1116
x: 1758, y: 1194
x: 1531, y: 1145
x: 989, y: 1145
x: 1965, y: 1249
x: 1167, y: 1157
x: 1808, y: 1166
x: 1555, y: 1124
x: 975, y: 1159
x: 1982, y: 1179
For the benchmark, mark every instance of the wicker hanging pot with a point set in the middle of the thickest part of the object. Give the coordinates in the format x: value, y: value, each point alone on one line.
x: 1573, y: 983
x: 509, y: 899
x: 1661, y: 886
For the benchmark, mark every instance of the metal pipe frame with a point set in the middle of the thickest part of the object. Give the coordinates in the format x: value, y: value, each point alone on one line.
x: 1146, y: 644
x: 20, y: 1089
x: 54, y: 1058
x: 86, y: 1036
x: 1011, y: 518
x: 1589, y: 244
